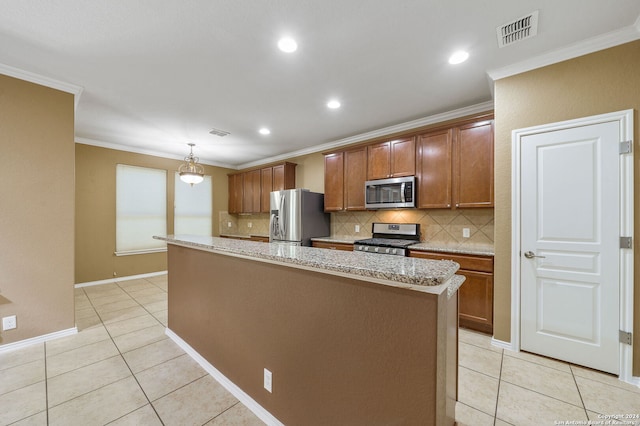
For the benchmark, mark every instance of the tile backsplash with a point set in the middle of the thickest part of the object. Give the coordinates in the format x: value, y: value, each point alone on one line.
x: 437, y: 226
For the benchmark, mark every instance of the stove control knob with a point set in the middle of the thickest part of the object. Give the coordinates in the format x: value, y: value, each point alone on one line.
x: 366, y: 248
x: 375, y: 249
x: 395, y: 251
x: 387, y: 251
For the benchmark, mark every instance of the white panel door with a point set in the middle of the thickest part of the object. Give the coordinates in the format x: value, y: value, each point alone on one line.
x: 570, y: 223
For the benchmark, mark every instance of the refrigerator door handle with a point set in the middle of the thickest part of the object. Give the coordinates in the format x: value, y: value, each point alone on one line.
x: 282, y: 223
x: 273, y: 226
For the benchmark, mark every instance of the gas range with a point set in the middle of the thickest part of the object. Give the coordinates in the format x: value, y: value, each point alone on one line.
x: 390, y: 238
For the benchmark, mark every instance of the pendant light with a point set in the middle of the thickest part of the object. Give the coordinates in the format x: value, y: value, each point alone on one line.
x: 191, y: 172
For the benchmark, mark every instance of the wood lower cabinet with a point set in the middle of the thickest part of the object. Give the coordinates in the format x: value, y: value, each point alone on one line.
x: 332, y: 246
x: 391, y: 159
x: 475, y: 297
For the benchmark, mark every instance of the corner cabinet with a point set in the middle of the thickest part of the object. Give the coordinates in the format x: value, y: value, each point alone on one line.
x: 454, y: 167
x: 345, y: 173
x: 475, y: 297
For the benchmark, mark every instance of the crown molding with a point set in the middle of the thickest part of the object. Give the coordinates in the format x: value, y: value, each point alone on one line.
x: 593, y: 44
x: 42, y: 80
x: 397, y: 128
x: 135, y: 150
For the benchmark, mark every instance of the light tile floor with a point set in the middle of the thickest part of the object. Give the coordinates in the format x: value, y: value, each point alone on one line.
x: 121, y: 369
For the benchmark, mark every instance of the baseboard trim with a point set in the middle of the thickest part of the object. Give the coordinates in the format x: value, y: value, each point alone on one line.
x: 242, y: 396
x: 502, y: 344
x: 38, y: 339
x: 114, y: 280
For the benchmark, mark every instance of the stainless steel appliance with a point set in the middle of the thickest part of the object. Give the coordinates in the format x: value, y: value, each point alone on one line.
x: 390, y: 238
x: 390, y: 193
x: 297, y: 215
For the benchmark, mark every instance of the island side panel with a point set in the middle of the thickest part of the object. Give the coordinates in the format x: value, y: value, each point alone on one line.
x: 342, y: 351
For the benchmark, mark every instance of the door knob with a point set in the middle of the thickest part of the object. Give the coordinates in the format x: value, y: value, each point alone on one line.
x: 531, y: 255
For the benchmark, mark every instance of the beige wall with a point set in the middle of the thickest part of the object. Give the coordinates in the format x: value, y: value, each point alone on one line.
x: 310, y: 172
x: 36, y: 208
x: 96, y: 210
x: 598, y: 83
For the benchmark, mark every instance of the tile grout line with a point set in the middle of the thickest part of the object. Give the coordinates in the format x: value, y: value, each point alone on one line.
x: 46, y: 385
x: 495, y: 412
x: 584, y: 407
x: 127, y: 364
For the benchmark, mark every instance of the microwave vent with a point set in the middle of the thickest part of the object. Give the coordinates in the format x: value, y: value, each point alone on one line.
x: 520, y: 29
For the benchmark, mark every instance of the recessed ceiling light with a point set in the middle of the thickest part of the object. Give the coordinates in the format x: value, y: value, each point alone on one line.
x: 287, y: 44
x: 458, y: 57
x: 264, y: 131
x: 333, y: 104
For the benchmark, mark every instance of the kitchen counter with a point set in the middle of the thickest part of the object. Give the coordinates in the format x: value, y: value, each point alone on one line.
x: 397, y: 271
x: 349, y: 338
x: 454, y: 247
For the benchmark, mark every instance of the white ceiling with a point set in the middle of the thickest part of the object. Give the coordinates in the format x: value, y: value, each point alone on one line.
x: 157, y: 74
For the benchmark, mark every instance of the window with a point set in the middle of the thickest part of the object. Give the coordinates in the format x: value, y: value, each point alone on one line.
x: 141, y: 209
x: 193, y: 207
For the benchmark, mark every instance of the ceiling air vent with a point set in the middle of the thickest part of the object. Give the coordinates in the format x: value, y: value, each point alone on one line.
x: 517, y: 30
x: 218, y: 132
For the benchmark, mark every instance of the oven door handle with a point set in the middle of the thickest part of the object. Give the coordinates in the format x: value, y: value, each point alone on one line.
x: 402, y: 185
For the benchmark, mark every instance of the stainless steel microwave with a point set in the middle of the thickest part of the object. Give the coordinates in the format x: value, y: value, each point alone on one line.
x: 391, y: 193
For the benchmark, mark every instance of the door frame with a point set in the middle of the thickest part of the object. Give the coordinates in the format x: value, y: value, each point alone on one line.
x: 626, y: 212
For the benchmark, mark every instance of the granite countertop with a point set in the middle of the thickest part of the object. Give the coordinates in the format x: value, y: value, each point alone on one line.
x: 244, y: 235
x: 453, y: 248
x: 431, y: 276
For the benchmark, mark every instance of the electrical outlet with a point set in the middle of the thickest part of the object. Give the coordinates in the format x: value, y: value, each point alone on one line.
x: 357, y: 228
x: 228, y: 224
x: 250, y: 225
x: 466, y: 233
x: 9, y: 323
x: 267, y: 379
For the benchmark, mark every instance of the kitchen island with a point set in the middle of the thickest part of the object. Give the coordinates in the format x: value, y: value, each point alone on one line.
x: 349, y: 338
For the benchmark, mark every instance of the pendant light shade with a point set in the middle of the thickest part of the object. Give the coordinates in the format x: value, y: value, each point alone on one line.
x: 191, y: 172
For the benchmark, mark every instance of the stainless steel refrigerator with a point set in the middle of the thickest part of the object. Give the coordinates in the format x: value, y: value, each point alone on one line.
x: 297, y: 215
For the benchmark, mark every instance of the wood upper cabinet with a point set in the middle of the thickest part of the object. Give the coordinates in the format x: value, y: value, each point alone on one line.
x: 249, y: 191
x: 344, y: 176
x: 284, y: 176
x: 434, y: 169
x: 251, y: 195
x: 473, y: 165
x: 454, y: 167
x: 266, y: 182
x: 355, y: 174
x: 236, y: 183
x: 391, y: 159
x: 334, y: 182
